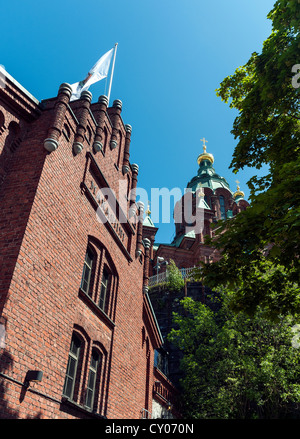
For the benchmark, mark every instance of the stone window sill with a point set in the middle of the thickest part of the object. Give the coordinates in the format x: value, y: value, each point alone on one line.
x: 81, y: 408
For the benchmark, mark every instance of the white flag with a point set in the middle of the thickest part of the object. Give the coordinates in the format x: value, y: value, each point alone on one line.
x: 98, y: 71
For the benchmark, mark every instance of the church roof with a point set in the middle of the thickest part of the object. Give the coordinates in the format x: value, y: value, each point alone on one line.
x: 148, y: 221
x: 207, y: 176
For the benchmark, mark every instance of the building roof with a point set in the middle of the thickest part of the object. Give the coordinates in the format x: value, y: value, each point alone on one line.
x: 148, y: 221
x: 207, y: 176
x: 4, y: 76
x: 179, y: 238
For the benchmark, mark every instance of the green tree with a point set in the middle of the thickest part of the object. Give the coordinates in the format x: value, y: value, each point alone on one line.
x: 265, y: 94
x: 175, y: 281
x: 236, y: 367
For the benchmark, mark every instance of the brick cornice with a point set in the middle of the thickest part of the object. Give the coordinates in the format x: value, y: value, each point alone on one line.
x: 18, y: 98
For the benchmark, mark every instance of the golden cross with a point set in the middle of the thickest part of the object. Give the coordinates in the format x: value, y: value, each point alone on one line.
x: 237, y: 182
x: 148, y: 210
x: 204, y: 141
x: 201, y: 191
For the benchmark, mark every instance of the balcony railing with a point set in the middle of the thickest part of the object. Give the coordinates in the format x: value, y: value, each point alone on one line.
x: 163, y: 277
x: 146, y: 414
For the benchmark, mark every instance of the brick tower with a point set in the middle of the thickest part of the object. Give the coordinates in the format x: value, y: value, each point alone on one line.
x: 78, y: 332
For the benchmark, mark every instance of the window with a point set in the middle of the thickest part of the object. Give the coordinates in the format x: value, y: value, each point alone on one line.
x: 161, y: 361
x: 87, y: 271
x: 94, y: 371
x: 72, y: 367
x: 84, y: 380
x: 99, y: 281
x: 104, y: 289
x: 222, y: 207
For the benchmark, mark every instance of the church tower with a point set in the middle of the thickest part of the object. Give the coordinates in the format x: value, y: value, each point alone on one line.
x: 207, y: 200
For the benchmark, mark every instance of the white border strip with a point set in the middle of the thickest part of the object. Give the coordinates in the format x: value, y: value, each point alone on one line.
x: 4, y: 73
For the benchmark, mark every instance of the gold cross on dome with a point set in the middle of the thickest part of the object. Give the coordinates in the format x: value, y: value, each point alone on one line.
x: 237, y: 183
x: 204, y: 142
x: 148, y: 210
x: 201, y: 191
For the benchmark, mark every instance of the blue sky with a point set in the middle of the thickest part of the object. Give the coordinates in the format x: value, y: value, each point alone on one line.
x: 171, y: 57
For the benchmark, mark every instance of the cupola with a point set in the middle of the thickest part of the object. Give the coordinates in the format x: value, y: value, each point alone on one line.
x: 238, y: 193
x: 205, y: 155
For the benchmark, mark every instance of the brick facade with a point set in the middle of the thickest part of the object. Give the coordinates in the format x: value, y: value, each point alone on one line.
x: 65, y: 172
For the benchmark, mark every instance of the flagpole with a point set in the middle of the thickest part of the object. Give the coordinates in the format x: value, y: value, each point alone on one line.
x: 112, y: 72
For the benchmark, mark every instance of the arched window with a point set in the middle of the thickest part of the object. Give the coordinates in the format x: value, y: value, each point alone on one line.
x: 222, y: 207
x: 105, y: 286
x: 99, y: 278
x: 84, y: 380
x: 93, y: 378
x: 72, y: 367
x: 88, y: 266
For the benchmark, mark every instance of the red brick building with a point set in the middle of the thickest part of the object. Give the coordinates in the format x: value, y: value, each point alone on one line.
x: 77, y: 329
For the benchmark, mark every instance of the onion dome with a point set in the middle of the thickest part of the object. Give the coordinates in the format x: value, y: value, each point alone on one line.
x: 205, y: 155
x: 238, y: 193
x: 206, y: 175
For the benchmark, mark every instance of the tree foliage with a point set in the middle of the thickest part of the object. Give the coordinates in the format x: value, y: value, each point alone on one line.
x: 267, y: 129
x: 236, y: 367
x: 175, y: 281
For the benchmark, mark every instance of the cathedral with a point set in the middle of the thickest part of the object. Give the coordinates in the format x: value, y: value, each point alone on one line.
x: 207, y: 200
x: 79, y: 336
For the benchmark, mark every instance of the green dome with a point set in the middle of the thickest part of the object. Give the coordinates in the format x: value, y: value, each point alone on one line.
x: 207, y: 177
